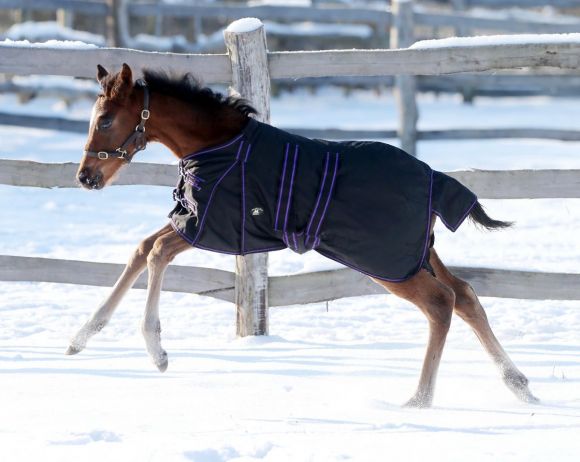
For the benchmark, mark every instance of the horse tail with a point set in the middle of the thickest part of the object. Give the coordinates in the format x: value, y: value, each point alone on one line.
x: 483, y: 220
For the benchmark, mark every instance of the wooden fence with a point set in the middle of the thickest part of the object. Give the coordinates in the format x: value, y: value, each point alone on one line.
x: 303, y: 288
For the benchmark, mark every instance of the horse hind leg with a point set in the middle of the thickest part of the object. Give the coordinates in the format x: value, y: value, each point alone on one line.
x: 468, y: 308
x: 436, y: 301
x: 99, y: 319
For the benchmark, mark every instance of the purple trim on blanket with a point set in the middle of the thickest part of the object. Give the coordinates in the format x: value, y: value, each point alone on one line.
x: 322, y: 184
x: 215, y: 148
x: 429, y: 217
x: 328, y: 197
x: 202, y: 221
x: 247, y: 153
x: 290, y: 188
x: 243, y: 237
x: 281, y: 187
x: 460, y: 221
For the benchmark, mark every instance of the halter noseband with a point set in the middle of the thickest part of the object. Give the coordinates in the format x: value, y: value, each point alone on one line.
x: 137, y: 137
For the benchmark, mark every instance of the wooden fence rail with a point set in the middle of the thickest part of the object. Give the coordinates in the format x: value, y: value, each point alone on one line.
x: 487, y: 184
x: 82, y: 126
x: 284, y: 65
x: 296, y: 289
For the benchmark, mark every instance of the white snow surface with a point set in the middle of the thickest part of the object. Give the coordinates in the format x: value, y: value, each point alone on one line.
x: 328, y: 383
x: 68, y: 44
x: 487, y: 40
x: 34, y: 31
x: 244, y: 25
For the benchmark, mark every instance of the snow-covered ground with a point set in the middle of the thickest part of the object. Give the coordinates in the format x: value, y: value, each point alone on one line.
x: 328, y: 383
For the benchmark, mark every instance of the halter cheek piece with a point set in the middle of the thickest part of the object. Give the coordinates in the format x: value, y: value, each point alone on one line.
x: 137, y: 138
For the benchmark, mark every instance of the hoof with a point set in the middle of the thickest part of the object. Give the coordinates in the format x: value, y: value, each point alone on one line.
x: 527, y: 397
x: 72, y: 350
x: 418, y: 402
x: 162, y: 362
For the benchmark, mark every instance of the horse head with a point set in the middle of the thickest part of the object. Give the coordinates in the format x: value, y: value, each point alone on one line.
x: 117, y: 127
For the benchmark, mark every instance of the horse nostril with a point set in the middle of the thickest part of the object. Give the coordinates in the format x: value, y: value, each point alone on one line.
x: 83, y: 176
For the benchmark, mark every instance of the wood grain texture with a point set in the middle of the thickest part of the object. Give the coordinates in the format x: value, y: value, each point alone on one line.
x: 203, y: 281
x: 288, y: 290
x: 487, y: 184
x: 251, y: 80
x: 83, y: 62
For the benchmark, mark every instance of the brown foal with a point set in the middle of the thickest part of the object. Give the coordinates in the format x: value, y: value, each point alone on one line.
x: 188, y: 126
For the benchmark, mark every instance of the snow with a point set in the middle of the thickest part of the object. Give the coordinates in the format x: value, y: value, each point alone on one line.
x: 328, y: 383
x: 244, y: 25
x: 303, y: 29
x: 68, y: 44
x: 50, y: 30
x: 495, y: 40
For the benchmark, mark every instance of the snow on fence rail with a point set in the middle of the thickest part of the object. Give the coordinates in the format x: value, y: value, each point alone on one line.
x: 561, y: 52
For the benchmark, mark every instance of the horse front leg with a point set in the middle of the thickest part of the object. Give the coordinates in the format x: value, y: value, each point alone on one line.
x: 163, y: 252
x: 136, y: 265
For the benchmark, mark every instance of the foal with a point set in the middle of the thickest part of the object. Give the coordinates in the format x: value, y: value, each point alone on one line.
x: 187, y: 118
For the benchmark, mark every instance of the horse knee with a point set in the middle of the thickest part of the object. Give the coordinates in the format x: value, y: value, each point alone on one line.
x: 161, y: 252
x: 441, y: 304
x: 142, y: 251
x: 467, y: 304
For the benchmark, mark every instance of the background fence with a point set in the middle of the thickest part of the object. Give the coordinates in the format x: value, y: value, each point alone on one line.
x: 253, y: 297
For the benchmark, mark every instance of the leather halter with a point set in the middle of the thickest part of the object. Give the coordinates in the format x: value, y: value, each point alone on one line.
x: 138, y: 137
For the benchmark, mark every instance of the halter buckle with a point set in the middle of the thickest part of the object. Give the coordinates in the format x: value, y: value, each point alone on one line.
x: 145, y: 114
x: 123, y: 153
x: 102, y: 155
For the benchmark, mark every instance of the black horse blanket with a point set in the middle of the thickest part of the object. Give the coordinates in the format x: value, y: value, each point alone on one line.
x: 367, y: 205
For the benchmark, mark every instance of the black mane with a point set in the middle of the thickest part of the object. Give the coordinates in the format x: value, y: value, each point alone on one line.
x: 187, y: 88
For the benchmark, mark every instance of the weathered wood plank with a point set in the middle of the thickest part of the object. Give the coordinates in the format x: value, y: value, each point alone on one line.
x: 487, y: 184
x: 81, y: 126
x: 287, y: 290
x: 433, y: 61
x: 405, y: 91
x: 472, y: 21
x: 47, y: 123
x: 203, y: 281
x: 250, y: 79
x: 332, y: 285
x: 216, y: 68
x: 63, y: 175
x: 495, y: 133
x: 265, y: 12
x: 521, y: 184
x: 81, y: 6
x: 523, y: 3
x: 83, y: 62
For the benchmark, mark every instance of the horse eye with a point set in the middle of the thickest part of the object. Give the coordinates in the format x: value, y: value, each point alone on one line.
x: 105, y: 124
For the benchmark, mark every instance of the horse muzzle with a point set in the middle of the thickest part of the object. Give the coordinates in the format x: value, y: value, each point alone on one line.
x: 90, y: 180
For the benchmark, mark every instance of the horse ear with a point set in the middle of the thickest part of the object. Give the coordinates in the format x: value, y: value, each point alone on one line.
x: 101, y: 73
x: 123, y: 83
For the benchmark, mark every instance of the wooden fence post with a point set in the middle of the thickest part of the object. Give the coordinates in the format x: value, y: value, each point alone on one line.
x: 117, y: 24
x: 402, y: 36
x: 246, y: 43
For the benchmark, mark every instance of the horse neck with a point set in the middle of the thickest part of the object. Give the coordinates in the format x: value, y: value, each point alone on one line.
x: 184, y: 129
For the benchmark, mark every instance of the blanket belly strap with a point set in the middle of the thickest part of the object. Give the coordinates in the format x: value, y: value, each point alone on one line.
x: 301, y: 241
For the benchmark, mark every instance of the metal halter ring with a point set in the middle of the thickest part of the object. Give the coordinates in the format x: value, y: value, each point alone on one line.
x: 102, y: 155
